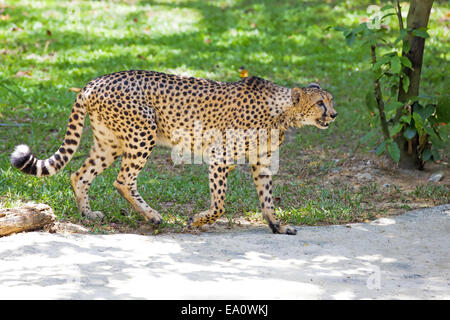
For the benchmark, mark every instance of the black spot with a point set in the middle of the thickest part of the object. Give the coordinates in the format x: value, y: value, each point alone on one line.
x: 70, y: 141
x: 44, y: 171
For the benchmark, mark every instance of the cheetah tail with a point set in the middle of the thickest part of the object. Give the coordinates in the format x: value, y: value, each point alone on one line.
x: 25, y: 161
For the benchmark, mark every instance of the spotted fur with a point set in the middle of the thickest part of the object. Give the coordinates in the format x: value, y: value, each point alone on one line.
x: 131, y: 111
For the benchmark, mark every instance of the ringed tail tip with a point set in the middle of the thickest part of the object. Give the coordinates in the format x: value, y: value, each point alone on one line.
x: 21, y: 156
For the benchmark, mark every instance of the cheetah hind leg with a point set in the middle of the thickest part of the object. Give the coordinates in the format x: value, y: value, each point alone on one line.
x: 99, y: 159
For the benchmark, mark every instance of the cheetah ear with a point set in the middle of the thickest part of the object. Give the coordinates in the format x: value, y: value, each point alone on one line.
x: 296, y: 95
x: 314, y: 85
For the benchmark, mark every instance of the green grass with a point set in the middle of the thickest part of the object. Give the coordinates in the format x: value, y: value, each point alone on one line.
x: 437, y: 193
x: 47, y: 47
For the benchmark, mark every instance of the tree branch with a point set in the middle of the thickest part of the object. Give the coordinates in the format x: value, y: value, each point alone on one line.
x: 379, y: 98
x: 398, y: 10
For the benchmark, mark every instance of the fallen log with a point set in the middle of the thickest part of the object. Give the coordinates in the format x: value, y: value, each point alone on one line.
x: 27, y: 218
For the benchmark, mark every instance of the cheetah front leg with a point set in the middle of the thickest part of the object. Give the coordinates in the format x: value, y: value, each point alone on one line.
x: 218, y: 174
x: 262, y: 177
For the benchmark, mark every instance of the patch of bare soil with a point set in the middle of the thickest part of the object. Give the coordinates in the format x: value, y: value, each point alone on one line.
x: 384, y: 172
x: 222, y: 225
x: 402, y: 189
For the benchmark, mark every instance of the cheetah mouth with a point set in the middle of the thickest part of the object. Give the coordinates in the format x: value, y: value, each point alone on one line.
x: 322, y: 124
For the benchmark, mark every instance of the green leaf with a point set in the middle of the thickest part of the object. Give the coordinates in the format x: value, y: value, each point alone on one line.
x: 406, y: 46
x: 429, y: 131
x: 360, y: 28
x: 340, y: 28
x: 393, y: 105
x: 437, y: 142
x: 420, y: 33
x: 426, y: 111
x: 436, y: 155
x: 405, y: 83
x: 350, y: 38
x: 409, y: 133
x: 435, y: 128
x: 406, y: 119
x: 443, y: 109
x: 390, y: 54
x: 395, y: 129
x: 394, y: 90
x: 403, y: 34
x: 380, y: 149
x: 406, y: 62
x: 426, y: 155
x: 396, y: 65
x: 416, y: 106
x: 418, y: 122
x: 394, y: 151
x: 387, y: 7
x: 383, y: 60
x: 377, y: 74
x: 369, y: 136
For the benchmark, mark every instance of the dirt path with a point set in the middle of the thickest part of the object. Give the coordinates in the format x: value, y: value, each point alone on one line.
x: 395, y: 258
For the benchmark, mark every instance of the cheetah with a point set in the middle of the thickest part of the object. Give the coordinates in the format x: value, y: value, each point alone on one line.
x: 132, y: 111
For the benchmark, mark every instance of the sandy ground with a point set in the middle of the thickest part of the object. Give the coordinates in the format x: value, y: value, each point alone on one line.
x: 402, y: 257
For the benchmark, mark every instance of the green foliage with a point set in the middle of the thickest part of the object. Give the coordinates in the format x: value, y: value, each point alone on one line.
x: 411, y: 118
x: 394, y: 151
x: 443, y: 109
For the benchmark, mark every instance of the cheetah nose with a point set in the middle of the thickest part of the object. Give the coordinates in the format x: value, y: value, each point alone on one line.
x: 333, y: 115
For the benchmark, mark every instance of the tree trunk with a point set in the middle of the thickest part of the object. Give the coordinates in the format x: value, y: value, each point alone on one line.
x: 418, y: 16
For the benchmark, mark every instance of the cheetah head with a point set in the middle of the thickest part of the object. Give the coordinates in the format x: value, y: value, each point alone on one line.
x: 312, y: 106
